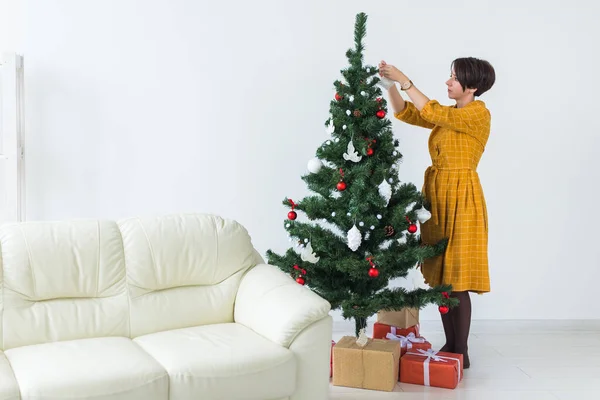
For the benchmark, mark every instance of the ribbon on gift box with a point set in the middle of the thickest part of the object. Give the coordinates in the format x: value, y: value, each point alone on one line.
x: 432, y: 355
x: 405, y: 341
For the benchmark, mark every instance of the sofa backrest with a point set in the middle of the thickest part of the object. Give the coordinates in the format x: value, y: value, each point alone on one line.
x: 62, y: 280
x: 1, y: 300
x: 184, y: 270
x: 79, y: 279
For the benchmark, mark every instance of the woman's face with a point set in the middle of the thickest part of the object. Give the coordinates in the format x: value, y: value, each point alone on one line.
x: 455, y: 90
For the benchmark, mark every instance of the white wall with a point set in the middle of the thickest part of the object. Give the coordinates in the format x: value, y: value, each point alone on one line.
x: 11, y: 25
x: 144, y: 107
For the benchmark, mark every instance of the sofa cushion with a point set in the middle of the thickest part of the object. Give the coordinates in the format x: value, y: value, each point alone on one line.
x: 63, y: 281
x: 176, y: 263
x: 9, y: 390
x: 222, y: 361
x: 98, y: 368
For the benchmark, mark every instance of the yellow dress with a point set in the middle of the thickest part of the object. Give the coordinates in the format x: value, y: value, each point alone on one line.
x: 452, y: 187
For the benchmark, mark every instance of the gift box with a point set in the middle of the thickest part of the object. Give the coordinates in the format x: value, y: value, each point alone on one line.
x: 331, y: 359
x: 431, y: 368
x: 408, y: 342
x: 380, y: 330
x: 372, y: 366
x: 402, y: 319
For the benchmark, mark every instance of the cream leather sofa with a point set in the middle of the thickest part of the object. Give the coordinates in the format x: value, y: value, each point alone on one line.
x: 173, y: 307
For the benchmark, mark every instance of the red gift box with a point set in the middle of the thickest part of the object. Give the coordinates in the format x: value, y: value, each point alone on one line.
x: 431, y: 368
x: 380, y: 330
x: 331, y: 359
x: 409, y: 342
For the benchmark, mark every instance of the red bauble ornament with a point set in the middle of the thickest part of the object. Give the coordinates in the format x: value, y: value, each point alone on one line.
x: 445, y: 294
x: 373, y: 272
x: 379, y: 99
x: 338, y: 97
x: 300, y: 280
x: 412, y: 228
x: 292, y: 215
x: 380, y: 114
x: 341, y: 186
x: 370, y: 151
x: 443, y: 309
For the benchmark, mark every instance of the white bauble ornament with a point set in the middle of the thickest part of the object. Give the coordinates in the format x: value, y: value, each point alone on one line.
x: 351, y: 154
x: 363, y: 93
x: 385, y: 191
x: 351, y: 98
x: 314, y: 165
x: 333, y: 214
x: 423, y: 215
x: 344, y: 127
x: 348, y: 112
x: 354, y: 238
x: 379, y: 216
x: 361, y: 223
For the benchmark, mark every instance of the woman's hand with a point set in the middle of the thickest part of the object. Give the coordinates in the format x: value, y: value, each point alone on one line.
x: 391, y: 72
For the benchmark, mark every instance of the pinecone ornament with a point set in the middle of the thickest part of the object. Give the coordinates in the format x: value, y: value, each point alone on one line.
x: 389, y: 231
x: 357, y: 113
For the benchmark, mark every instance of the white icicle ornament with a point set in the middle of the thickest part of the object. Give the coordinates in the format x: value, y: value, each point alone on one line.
x: 354, y: 238
x: 351, y: 154
x: 308, y: 254
x: 423, y: 215
x: 385, y: 191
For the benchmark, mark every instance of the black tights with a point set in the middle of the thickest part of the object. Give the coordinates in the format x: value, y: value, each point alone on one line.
x: 457, y: 324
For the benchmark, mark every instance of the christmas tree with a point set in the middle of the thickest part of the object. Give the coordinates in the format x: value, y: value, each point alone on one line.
x: 362, y: 228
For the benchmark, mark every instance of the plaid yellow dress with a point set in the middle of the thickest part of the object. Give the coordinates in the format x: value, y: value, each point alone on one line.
x: 452, y: 186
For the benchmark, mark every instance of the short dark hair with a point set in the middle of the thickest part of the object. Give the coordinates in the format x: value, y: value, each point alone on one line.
x: 473, y: 73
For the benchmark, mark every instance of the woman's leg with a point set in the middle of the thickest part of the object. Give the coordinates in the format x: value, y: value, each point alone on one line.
x: 461, y: 319
x: 449, y: 332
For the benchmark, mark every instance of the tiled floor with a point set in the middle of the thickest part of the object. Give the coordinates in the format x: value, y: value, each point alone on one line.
x: 512, y: 360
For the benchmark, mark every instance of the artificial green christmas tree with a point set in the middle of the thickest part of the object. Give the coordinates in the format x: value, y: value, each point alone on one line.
x: 362, y: 228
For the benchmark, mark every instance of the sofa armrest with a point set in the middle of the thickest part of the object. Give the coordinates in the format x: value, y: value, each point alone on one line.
x: 272, y: 304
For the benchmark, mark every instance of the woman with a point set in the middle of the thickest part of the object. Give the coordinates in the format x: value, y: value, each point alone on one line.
x: 458, y: 137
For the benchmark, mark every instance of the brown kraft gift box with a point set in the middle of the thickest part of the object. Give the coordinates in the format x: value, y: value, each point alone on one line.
x: 403, y: 319
x: 374, y: 366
